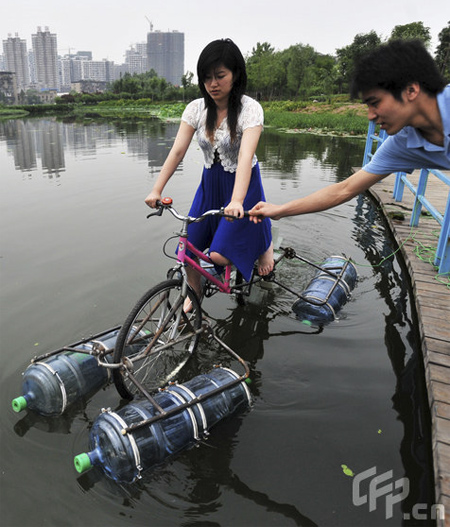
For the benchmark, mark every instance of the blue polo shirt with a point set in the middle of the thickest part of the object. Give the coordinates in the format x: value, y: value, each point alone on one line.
x: 407, y: 150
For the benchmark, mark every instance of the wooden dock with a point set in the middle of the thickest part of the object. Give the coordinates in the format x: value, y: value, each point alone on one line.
x: 432, y: 301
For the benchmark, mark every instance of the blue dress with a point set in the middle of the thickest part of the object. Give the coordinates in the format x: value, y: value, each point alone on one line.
x: 240, y: 241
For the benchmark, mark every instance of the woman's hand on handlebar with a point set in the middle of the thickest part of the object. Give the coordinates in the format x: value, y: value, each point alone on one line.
x: 234, y: 208
x: 152, y: 199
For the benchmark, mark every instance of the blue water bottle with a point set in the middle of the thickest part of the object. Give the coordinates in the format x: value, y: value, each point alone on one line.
x: 327, y: 292
x: 51, y: 385
x: 124, y: 445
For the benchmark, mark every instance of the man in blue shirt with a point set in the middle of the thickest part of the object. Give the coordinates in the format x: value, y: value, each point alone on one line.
x: 405, y: 95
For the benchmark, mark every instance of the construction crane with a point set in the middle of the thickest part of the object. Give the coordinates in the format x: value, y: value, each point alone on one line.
x: 150, y: 22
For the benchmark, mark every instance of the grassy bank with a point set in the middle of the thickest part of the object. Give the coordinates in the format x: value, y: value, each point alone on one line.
x: 340, y: 117
x: 12, y: 112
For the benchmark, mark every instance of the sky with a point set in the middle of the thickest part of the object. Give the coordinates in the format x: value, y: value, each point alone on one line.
x: 109, y: 28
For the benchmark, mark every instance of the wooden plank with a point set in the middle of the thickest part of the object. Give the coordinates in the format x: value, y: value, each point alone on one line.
x: 441, y: 457
x: 429, y: 311
x: 437, y: 346
x: 439, y: 373
x: 441, y: 392
x: 445, y: 501
x: 442, y: 427
x: 441, y: 453
x: 442, y: 410
x: 437, y: 300
x: 438, y: 358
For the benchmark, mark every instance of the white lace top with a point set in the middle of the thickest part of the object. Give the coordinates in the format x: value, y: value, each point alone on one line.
x: 251, y: 115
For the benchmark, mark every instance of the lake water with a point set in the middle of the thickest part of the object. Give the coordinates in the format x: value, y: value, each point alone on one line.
x: 77, y: 252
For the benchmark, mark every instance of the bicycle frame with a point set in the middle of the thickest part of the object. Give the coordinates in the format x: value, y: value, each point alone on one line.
x: 182, y: 258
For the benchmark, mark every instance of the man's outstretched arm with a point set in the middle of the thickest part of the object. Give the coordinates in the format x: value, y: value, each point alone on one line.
x: 322, y: 199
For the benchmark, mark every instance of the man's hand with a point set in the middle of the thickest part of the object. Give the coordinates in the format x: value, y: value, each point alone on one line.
x: 264, y: 210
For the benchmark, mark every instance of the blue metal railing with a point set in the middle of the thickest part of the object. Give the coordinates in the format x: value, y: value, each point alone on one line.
x: 442, y: 258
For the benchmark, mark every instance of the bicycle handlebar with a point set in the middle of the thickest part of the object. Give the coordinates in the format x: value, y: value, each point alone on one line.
x: 166, y: 203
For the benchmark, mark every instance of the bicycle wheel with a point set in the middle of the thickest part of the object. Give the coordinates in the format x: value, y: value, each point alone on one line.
x: 158, y: 338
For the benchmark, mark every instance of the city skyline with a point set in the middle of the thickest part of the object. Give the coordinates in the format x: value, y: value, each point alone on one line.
x: 108, y: 30
x: 43, y: 69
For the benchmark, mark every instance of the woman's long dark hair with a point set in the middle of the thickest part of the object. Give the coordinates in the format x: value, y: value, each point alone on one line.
x: 216, y: 53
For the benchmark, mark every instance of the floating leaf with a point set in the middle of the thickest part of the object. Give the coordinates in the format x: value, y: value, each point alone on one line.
x: 347, y: 471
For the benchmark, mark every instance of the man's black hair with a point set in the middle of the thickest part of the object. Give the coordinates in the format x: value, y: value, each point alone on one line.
x: 393, y: 66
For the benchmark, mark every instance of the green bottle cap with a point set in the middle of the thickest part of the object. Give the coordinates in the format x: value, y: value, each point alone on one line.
x: 19, y: 404
x: 82, y: 463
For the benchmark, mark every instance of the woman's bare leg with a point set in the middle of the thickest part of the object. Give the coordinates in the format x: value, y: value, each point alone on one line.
x: 195, y: 281
x: 265, y: 262
x: 218, y: 259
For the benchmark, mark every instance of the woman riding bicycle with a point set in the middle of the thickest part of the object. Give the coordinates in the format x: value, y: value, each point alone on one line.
x: 228, y: 125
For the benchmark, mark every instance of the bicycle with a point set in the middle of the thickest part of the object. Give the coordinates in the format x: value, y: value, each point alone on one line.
x: 156, y: 341
x: 158, y: 337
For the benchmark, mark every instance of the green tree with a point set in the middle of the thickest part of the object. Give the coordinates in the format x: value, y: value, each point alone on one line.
x: 190, y: 90
x: 410, y: 31
x: 325, y: 74
x: 265, y: 71
x: 443, y: 52
x: 32, y: 97
x: 186, y: 79
x: 349, y: 55
x: 297, y: 61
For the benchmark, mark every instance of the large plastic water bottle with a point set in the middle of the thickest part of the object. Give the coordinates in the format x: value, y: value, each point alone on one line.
x: 326, y: 294
x: 124, y: 454
x: 52, y: 385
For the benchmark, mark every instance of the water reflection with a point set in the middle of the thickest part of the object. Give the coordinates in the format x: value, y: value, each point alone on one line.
x: 281, y: 152
x: 40, y: 144
x: 403, y: 349
x: 192, y: 485
x: 31, y: 140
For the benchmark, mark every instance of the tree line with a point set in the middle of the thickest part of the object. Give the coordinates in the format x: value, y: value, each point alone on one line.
x: 301, y: 72
x: 296, y: 73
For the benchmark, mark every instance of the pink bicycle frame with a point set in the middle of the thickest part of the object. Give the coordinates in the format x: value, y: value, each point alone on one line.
x: 182, y: 257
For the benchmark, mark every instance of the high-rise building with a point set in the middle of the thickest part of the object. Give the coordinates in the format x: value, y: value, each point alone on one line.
x: 76, y: 60
x: 97, y: 70
x: 46, y: 58
x: 16, y: 60
x: 65, y: 77
x: 165, y: 54
x: 32, y: 65
x: 136, y: 58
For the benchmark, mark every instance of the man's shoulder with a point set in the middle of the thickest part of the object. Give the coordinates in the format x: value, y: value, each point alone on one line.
x: 445, y: 92
x: 443, y: 100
